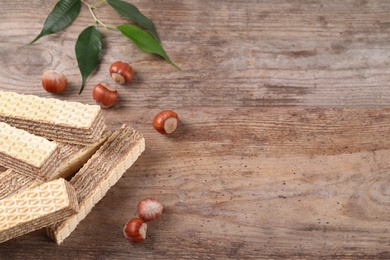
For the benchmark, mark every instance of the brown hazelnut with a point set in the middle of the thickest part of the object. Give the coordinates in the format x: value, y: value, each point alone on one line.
x: 121, y: 72
x: 54, y: 81
x: 166, y: 121
x: 105, y: 95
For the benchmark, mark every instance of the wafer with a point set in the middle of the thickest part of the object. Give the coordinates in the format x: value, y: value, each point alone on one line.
x: 101, y: 172
x: 36, y: 208
x: 26, y: 152
x: 73, y: 156
x: 54, y: 119
x: 12, y: 182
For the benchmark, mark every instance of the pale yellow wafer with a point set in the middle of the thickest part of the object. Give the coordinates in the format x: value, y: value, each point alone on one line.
x: 35, y: 208
x: 101, y: 172
x: 25, y: 152
x: 51, y: 118
x: 12, y: 182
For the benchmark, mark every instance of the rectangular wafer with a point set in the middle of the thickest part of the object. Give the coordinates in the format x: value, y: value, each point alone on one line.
x: 12, y: 182
x: 54, y: 119
x: 36, y: 208
x: 101, y: 172
x: 26, y: 152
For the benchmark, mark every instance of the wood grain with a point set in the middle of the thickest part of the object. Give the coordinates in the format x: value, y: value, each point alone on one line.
x: 283, y: 146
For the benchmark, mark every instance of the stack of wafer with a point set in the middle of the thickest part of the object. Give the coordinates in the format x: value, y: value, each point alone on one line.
x: 39, y: 148
x: 101, y: 172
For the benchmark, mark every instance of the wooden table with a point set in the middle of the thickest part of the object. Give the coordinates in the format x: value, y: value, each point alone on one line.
x: 283, y: 148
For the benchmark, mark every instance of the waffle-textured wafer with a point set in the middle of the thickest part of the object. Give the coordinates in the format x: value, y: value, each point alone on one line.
x: 25, y: 152
x: 101, y: 172
x: 70, y: 122
x: 73, y: 156
x: 36, y: 208
x: 12, y: 182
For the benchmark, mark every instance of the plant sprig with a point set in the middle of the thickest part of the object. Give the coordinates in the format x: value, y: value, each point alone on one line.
x: 89, y: 43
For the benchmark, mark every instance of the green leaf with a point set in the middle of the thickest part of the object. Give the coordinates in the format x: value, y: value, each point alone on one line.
x: 88, y: 47
x: 63, y: 14
x: 144, y: 41
x: 132, y: 13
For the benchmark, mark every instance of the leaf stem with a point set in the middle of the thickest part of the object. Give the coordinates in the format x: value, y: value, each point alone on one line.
x: 98, y: 3
x: 97, y: 21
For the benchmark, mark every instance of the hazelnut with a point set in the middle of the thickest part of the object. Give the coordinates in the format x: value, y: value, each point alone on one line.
x: 135, y: 230
x: 54, y: 81
x: 149, y: 209
x: 105, y: 95
x: 121, y: 72
x: 166, y: 121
